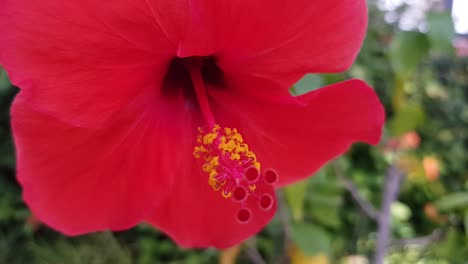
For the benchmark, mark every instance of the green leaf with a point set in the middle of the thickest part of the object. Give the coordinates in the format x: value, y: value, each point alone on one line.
x: 466, y: 222
x: 327, y: 216
x: 453, y: 201
x: 311, y: 239
x: 408, y: 118
x: 441, y: 31
x: 4, y: 81
x: 308, y: 83
x: 407, y: 50
x: 295, y: 195
x: 101, y: 248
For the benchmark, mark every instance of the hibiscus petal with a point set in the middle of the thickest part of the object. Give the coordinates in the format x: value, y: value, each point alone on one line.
x: 197, y: 217
x: 79, y: 180
x: 172, y: 16
x: 277, y: 39
x: 277, y: 129
x: 297, y: 135
x: 65, y: 54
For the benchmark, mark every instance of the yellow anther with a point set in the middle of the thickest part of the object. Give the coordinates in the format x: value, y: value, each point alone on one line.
x: 257, y: 165
x: 226, y: 195
x: 209, y: 138
x: 235, y: 156
x: 211, y: 164
x: 198, y: 151
x: 237, y: 137
x: 214, y: 161
x: 229, y: 146
x: 224, y: 151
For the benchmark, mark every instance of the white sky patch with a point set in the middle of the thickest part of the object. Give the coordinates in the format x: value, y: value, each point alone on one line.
x: 390, y: 5
x: 414, y: 16
x: 460, y: 16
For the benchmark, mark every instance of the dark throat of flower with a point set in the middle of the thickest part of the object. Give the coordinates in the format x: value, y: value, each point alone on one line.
x: 231, y: 167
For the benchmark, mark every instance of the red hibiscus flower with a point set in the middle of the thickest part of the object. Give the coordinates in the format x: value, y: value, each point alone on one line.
x: 177, y: 112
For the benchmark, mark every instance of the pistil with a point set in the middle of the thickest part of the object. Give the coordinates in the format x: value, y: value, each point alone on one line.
x: 231, y: 167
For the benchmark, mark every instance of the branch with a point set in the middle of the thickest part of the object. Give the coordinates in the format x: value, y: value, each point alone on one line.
x: 252, y: 252
x: 365, y: 206
x: 284, y: 216
x: 423, y: 241
x: 285, y: 220
x: 393, y: 180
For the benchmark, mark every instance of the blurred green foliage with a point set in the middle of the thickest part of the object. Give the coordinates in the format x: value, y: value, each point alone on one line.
x: 425, y: 91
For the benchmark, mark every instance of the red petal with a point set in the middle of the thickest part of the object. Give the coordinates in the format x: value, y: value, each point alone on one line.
x: 196, y: 216
x: 79, y: 180
x: 65, y: 54
x: 171, y: 16
x: 277, y: 39
x: 297, y: 135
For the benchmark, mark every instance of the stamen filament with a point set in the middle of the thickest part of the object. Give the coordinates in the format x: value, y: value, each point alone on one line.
x: 194, y: 67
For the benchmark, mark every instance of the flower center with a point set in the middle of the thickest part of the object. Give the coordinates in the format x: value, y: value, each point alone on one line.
x: 178, y: 80
x: 233, y: 170
x: 231, y: 167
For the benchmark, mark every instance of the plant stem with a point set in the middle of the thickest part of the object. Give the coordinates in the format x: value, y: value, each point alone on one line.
x: 365, y: 206
x: 252, y: 252
x: 394, y: 178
